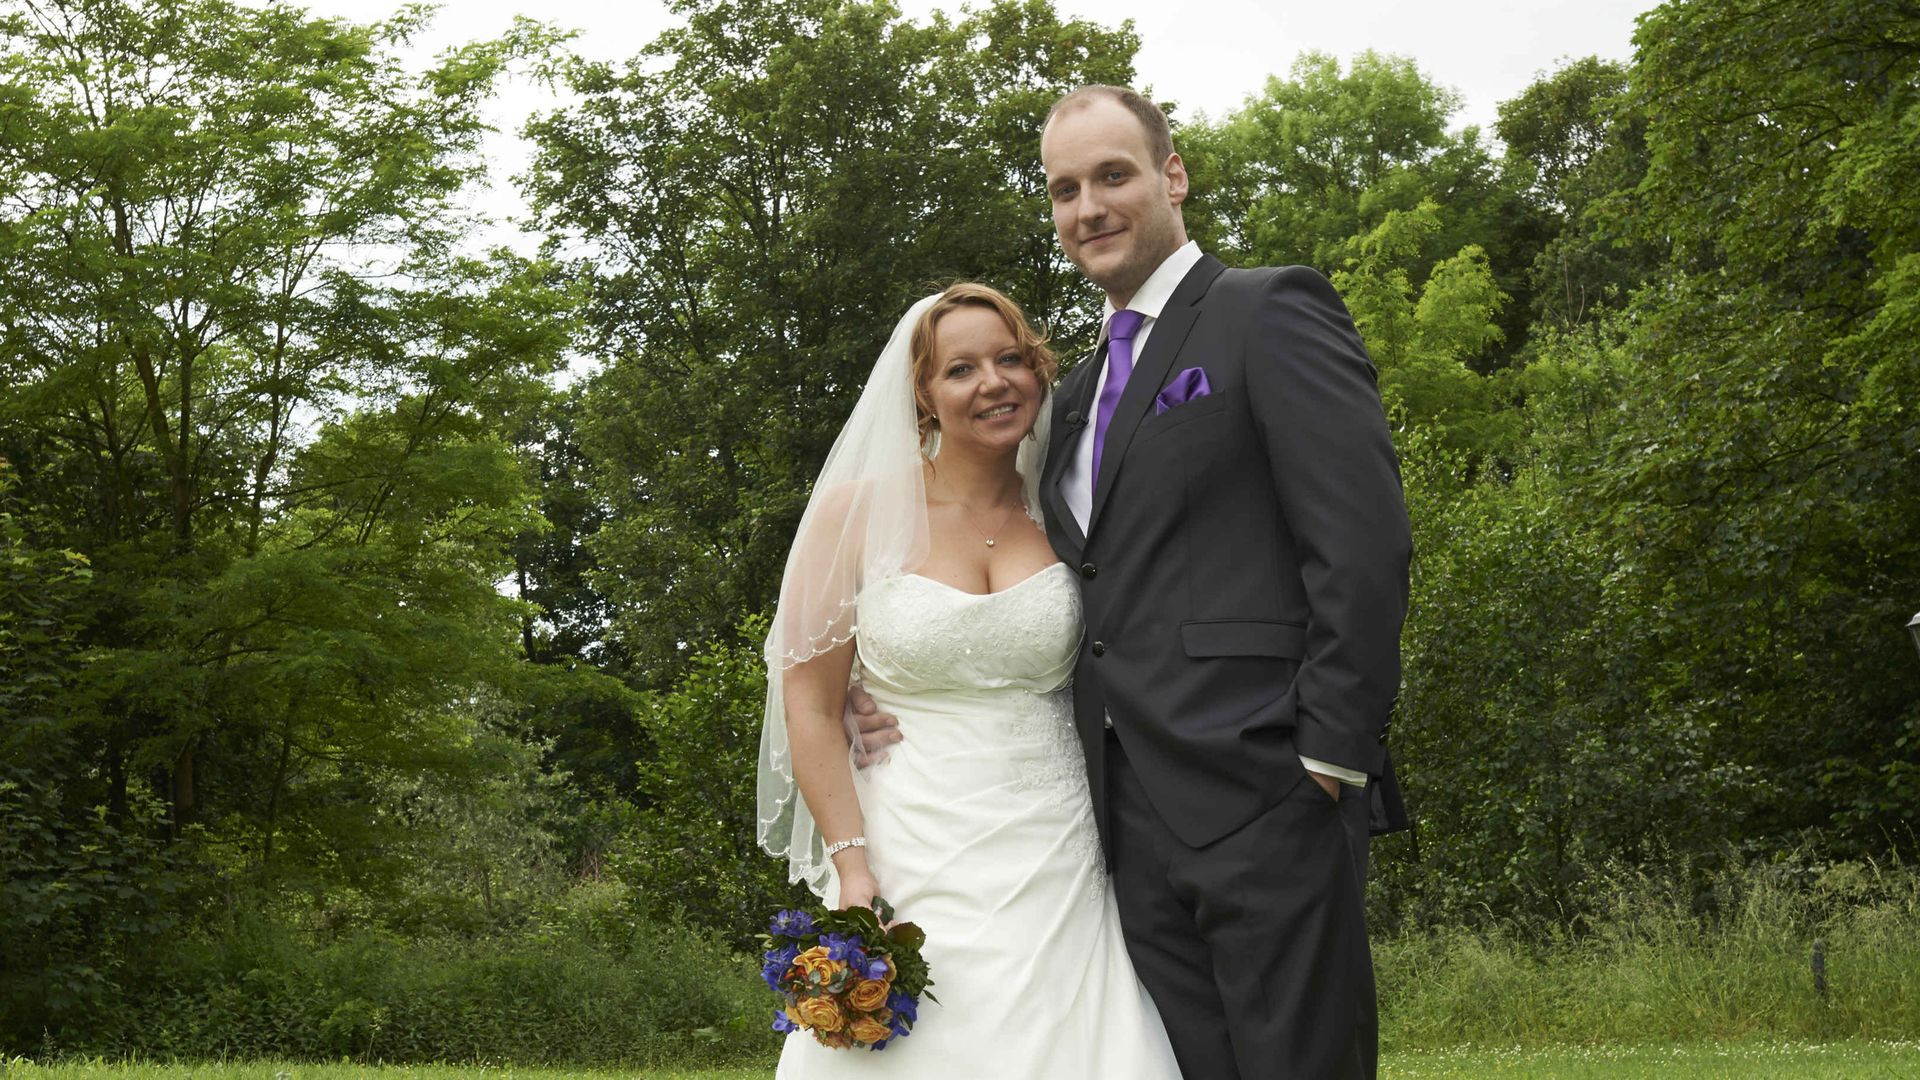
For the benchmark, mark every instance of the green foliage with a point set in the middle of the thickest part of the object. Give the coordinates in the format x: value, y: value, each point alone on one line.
x: 595, y: 989
x: 1422, y: 348
x: 285, y: 458
x: 694, y: 848
x: 82, y: 891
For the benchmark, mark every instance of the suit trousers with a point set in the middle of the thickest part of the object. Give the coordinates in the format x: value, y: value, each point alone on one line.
x: 1254, y: 947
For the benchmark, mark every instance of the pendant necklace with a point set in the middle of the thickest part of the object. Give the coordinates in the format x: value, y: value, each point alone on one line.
x: 1004, y: 518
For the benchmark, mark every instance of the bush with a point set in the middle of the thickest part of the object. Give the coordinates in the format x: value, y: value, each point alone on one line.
x: 694, y: 850
x: 592, y: 988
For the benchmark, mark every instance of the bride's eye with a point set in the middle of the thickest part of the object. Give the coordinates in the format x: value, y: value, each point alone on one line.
x: 1012, y: 358
x: 957, y: 370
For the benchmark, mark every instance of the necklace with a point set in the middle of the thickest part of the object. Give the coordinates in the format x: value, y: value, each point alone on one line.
x: 998, y: 529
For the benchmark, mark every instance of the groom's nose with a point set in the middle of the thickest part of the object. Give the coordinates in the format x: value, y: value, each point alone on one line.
x: 1091, y: 208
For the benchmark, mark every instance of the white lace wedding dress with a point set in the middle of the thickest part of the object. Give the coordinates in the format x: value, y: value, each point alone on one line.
x: 980, y: 829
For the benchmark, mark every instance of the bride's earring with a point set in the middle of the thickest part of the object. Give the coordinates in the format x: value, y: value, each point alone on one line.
x: 930, y: 446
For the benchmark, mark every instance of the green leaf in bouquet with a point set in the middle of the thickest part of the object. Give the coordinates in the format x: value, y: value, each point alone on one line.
x: 864, y: 922
x: 908, y: 935
x: 883, y: 909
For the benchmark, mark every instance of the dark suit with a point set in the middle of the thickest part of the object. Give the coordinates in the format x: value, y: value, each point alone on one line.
x: 1244, y: 572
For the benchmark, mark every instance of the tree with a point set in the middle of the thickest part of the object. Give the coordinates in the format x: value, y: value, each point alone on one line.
x: 1422, y: 345
x: 251, y: 377
x: 1761, y: 481
x: 1306, y: 171
x: 1577, y: 134
x: 764, y: 190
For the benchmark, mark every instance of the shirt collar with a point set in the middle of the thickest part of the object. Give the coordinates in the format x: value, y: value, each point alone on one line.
x: 1158, y: 288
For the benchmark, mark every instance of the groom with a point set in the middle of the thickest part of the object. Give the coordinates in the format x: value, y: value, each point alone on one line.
x: 1222, y: 478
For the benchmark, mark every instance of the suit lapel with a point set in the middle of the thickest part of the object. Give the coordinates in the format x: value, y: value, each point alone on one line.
x: 1150, y: 368
x: 1070, y: 412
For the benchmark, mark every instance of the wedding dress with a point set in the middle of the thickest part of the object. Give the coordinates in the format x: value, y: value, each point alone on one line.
x: 980, y: 829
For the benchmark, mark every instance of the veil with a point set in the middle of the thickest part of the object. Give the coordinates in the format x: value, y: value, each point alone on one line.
x: 866, y: 521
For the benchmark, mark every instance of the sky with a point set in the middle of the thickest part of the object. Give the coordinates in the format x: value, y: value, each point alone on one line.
x: 1205, y: 56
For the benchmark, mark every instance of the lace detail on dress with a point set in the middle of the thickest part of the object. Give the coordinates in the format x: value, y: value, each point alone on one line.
x: 1060, y: 772
x: 939, y: 637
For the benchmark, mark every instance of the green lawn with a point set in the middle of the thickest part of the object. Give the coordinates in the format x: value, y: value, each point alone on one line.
x: 1858, y: 1060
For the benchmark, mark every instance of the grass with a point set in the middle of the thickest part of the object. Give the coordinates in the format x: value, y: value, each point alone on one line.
x: 1850, y: 1060
x: 1651, y: 970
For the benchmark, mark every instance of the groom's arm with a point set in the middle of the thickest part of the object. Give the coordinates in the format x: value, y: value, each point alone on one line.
x: 1316, y: 403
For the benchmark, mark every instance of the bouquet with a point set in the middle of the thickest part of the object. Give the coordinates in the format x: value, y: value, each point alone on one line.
x: 846, y: 976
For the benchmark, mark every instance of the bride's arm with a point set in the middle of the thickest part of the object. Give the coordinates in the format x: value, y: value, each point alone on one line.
x: 816, y: 693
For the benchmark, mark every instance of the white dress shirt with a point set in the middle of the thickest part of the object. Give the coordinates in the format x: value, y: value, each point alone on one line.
x: 1076, y: 482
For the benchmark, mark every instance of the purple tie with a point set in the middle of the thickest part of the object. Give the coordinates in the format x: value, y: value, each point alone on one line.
x: 1120, y: 331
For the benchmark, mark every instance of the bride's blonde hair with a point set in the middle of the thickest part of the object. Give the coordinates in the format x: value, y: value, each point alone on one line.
x: 1031, y: 343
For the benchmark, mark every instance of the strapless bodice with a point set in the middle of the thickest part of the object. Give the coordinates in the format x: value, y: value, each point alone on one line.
x: 918, y: 635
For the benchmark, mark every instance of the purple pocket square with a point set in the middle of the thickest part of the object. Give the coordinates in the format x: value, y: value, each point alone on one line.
x: 1189, y: 385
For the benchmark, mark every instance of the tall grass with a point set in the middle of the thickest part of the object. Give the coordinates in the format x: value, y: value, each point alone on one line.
x: 1660, y: 962
x: 604, y: 989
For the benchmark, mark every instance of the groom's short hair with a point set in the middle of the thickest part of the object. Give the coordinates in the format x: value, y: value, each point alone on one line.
x: 1152, y: 120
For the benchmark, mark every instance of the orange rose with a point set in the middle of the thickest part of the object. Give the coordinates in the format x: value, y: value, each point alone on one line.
x: 815, y: 961
x: 820, y: 1014
x: 869, y: 994
x: 869, y: 1031
x: 839, y: 1040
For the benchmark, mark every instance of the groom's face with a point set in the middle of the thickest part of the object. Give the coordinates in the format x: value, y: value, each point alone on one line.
x: 1115, y: 209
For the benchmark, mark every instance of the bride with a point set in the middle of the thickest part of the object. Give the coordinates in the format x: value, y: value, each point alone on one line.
x: 921, y: 571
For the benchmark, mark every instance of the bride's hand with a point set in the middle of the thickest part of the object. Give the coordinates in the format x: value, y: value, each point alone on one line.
x: 858, y: 888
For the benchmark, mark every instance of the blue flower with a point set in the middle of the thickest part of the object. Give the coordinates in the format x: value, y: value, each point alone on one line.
x: 777, y: 962
x: 792, y: 923
x: 841, y: 947
x: 781, y: 1024
x: 881, y: 1045
x: 899, y: 1027
x: 903, y: 1007
x: 873, y: 967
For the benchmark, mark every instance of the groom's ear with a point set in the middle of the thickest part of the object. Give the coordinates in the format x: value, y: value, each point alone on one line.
x: 1175, y: 171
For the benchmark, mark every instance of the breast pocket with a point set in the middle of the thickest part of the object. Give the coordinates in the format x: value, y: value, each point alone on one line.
x: 1183, y: 415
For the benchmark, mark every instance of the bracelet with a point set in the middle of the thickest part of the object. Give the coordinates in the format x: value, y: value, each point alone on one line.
x: 835, y: 849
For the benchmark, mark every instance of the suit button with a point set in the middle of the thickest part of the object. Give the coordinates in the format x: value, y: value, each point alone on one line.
x: 1087, y: 570
x: 1099, y: 648
x: 1074, y: 417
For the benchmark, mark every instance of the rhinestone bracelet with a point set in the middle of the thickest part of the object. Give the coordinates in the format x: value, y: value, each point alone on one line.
x: 835, y: 849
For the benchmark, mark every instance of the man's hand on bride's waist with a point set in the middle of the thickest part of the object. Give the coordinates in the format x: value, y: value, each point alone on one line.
x: 876, y: 730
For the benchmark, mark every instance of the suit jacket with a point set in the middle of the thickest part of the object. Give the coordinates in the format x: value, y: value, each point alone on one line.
x: 1244, y: 567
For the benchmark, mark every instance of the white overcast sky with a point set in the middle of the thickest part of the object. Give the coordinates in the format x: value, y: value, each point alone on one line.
x: 1204, y: 55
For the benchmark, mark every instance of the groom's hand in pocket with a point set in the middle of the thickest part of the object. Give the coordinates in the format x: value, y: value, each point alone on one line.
x: 876, y: 730
x: 1327, y: 784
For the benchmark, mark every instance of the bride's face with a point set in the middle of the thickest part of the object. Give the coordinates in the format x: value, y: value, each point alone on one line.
x: 982, y: 390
